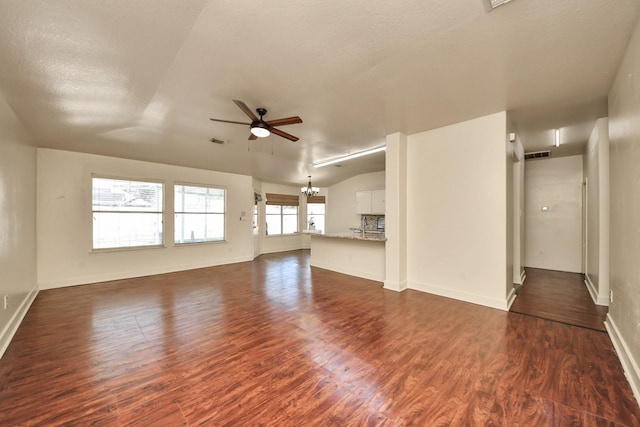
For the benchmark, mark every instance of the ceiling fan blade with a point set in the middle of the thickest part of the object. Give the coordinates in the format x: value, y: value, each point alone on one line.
x: 286, y: 121
x: 229, y: 121
x: 252, y: 137
x: 284, y: 134
x: 246, y: 110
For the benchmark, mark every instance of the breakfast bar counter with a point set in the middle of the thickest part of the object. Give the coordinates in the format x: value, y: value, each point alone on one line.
x: 376, y: 237
x: 356, y: 254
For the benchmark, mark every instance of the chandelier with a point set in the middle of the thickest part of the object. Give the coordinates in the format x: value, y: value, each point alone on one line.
x: 309, y: 191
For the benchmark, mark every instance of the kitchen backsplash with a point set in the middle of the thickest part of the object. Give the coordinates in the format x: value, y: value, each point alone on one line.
x: 372, y: 222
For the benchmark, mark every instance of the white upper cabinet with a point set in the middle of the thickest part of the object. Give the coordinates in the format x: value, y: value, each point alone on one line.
x: 377, y: 202
x: 370, y: 202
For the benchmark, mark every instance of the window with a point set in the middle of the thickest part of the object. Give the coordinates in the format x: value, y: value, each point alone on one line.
x: 281, y: 214
x: 256, y: 198
x: 315, y: 213
x: 199, y: 214
x: 126, y: 213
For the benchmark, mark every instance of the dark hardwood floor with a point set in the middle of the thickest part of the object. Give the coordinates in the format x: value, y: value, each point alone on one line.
x: 275, y: 342
x: 561, y: 297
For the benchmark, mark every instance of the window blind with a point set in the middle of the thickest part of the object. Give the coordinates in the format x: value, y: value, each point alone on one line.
x: 315, y: 199
x: 282, y: 199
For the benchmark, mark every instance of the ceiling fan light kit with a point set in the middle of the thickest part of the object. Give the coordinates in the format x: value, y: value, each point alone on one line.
x: 260, y: 129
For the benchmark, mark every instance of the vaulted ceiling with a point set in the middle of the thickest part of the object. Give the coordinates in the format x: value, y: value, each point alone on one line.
x: 140, y: 79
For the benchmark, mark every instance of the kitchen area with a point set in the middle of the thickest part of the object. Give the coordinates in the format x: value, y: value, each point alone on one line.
x: 360, y: 249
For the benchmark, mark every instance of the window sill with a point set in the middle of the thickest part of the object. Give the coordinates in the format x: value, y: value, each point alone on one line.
x: 126, y: 249
x: 187, y: 244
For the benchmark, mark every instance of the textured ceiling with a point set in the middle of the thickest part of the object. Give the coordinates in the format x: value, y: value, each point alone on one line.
x: 140, y: 79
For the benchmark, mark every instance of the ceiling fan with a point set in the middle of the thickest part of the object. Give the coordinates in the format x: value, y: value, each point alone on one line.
x: 260, y: 128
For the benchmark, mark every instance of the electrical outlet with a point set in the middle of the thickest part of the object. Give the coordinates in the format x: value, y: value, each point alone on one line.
x: 5, y: 301
x: 610, y: 295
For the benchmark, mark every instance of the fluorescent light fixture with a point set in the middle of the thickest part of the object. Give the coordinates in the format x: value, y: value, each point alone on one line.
x: 349, y: 157
x: 557, y: 134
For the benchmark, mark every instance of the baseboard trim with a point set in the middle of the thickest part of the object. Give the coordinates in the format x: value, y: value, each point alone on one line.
x: 463, y: 296
x: 395, y: 286
x: 12, y: 327
x: 591, y: 288
x: 595, y: 296
x: 285, y: 249
x: 523, y: 276
x: 629, y: 364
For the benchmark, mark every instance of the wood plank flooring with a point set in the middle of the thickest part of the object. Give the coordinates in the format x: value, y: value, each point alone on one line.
x: 559, y: 296
x: 275, y: 342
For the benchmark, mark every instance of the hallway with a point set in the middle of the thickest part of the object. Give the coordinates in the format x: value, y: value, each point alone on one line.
x: 561, y: 297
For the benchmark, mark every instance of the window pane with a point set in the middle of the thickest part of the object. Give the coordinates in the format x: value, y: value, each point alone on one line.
x: 273, y: 224
x: 193, y: 228
x: 117, y: 229
x: 318, y: 221
x: 290, y: 210
x: 126, y: 213
x: 273, y: 209
x: 289, y: 224
x: 315, y: 208
x: 124, y: 195
x: 199, y: 199
x: 199, y: 214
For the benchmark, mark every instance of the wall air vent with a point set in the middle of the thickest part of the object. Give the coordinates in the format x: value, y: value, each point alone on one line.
x: 537, y: 155
x: 489, y: 5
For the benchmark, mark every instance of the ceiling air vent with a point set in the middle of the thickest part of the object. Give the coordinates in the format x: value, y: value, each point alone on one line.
x: 489, y: 5
x: 537, y: 155
x: 216, y: 141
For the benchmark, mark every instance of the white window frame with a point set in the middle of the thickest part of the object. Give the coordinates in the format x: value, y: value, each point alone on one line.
x: 183, y: 212
x: 126, y: 212
x: 281, y: 215
x: 323, y: 215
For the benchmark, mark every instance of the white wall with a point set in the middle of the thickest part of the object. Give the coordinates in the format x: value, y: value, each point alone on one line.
x: 341, y: 206
x: 596, y: 173
x: 554, y: 238
x: 17, y: 223
x: 624, y: 134
x: 457, y: 211
x: 65, y: 225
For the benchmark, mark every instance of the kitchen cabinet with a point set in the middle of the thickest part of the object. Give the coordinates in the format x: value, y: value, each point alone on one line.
x: 370, y: 202
x: 377, y: 202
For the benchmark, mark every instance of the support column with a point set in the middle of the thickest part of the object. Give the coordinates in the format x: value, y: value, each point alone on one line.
x: 396, y: 212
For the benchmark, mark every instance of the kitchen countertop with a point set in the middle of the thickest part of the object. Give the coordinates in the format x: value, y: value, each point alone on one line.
x: 350, y: 235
